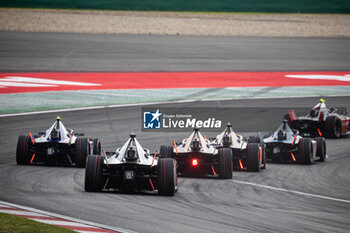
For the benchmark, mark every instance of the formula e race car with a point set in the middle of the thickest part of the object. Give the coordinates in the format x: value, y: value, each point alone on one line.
x: 286, y: 145
x: 195, y: 156
x: 58, y: 145
x: 321, y: 121
x: 248, y: 155
x: 131, y: 168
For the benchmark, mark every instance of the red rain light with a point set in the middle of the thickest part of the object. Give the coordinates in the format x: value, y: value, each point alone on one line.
x: 194, y: 162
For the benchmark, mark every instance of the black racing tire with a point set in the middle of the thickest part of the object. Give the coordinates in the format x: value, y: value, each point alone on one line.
x: 93, y: 173
x: 254, y: 139
x: 166, y: 151
x: 96, y: 146
x: 305, y: 151
x: 167, y: 177
x: 23, y: 150
x: 333, y: 127
x: 263, y: 151
x: 225, y: 163
x: 82, y: 151
x: 253, y: 157
x: 321, y: 148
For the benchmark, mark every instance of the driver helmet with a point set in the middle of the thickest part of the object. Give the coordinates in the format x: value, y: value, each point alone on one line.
x: 55, y: 134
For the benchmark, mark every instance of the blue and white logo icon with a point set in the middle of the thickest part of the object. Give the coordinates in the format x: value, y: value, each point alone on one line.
x: 152, y: 120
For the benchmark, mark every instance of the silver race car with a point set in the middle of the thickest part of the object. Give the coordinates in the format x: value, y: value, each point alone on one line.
x: 286, y: 145
x: 131, y: 168
x: 196, y: 156
x: 248, y: 155
x: 58, y: 145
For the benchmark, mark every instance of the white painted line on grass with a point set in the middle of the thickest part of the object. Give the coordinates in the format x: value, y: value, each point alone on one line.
x: 292, y: 191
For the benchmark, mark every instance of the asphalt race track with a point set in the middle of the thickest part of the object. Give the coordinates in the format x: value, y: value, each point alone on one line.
x: 201, y: 205
x: 28, y: 51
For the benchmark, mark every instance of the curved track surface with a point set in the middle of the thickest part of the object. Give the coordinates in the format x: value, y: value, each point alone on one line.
x: 28, y: 51
x: 201, y: 205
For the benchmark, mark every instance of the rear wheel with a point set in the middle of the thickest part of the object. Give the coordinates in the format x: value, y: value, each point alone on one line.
x: 96, y: 149
x: 253, y: 157
x: 166, y: 151
x: 82, y: 150
x: 23, y: 150
x: 321, y: 148
x: 225, y: 163
x: 167, y: 176
x: 93, y: 173
x: 333, y: 127
x: 305, y: 151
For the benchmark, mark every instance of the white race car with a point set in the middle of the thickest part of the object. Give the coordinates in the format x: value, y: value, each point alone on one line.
x: 58, y: 145
x: 195, y: 156
x: 286, y: 145
x: 131, y: 168
x: 321, y: 121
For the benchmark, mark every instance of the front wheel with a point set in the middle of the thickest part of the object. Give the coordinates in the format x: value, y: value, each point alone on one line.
x: 321, y: 148
x: 167, y: 177
x: 96, y: 146
x: 225, y: 163
x: 166, y: 151
x: 93, y: 173
x: 253, y: 157
x: 254, y: 139
x: 263, y: 154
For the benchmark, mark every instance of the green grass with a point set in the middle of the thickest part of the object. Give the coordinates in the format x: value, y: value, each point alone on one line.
x: 13, y: 224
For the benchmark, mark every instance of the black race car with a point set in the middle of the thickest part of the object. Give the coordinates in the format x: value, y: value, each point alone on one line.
x: 196, y: 156
x: 286, y: 145
x: 131, y: 168
x: 321, y: 121
x: 57, y: 146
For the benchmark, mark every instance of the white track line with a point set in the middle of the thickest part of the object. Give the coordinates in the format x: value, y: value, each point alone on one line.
x: 50, y: 214
x: 21, y: 213
x: 153, y: 103
x: 92, y: 108
x: 58, y: 223
x: 292, y: 191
